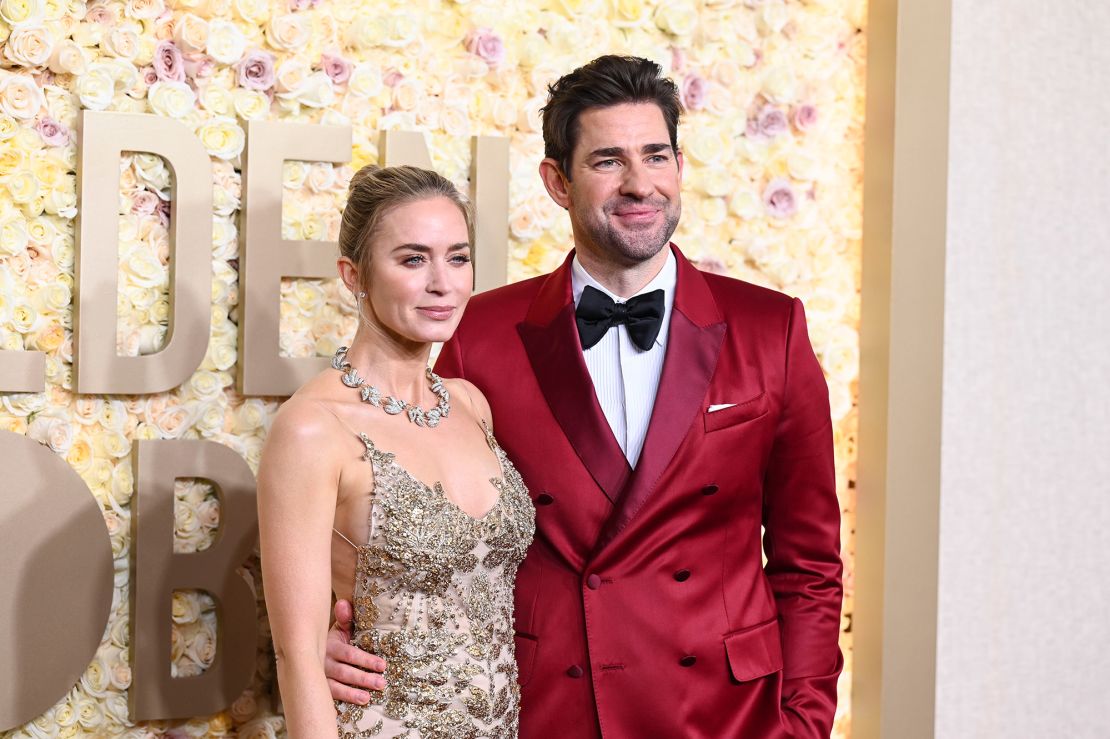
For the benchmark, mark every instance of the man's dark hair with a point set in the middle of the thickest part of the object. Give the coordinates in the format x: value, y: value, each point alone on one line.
x: 607, y: 80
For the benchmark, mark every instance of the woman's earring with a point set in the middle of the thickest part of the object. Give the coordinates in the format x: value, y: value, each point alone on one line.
x: 362, y: 295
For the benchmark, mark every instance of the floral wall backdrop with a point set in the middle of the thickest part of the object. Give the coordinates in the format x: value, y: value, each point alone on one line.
x: 773, y: 139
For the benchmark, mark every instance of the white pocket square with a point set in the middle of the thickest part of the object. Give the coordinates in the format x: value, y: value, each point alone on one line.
x: 720, y: 407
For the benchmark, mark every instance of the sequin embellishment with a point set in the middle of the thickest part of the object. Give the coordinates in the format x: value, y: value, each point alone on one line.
x: 434, y: 597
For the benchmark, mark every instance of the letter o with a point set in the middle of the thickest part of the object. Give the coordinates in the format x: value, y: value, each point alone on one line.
x: 56, y: 579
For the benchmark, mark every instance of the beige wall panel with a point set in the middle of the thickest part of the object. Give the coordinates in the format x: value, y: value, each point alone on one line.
x: 1025, y: 515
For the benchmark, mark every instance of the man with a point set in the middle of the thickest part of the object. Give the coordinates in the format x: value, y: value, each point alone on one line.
x: 660, y: 417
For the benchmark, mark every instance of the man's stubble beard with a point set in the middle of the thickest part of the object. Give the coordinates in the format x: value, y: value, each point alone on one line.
x: 629, y: 248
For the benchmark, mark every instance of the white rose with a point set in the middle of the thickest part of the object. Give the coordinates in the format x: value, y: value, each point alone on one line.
x: 9, y: 127
x: 779, y: 84
x: 290, y: 74
x: 29, y: 46
x: 210, y: 419
x: 190, y: 33
x: 151, y: 169
x: 52, y: 430
x: 186, y: 607
x: 67, y: 58
x: 96, y: 88
x: 122, y: 42
x: 171, y: 99
x: 17, y: 13
x: 13, y: 235
x: 226, y: 43
x: 255, y: 12
x: 677, y: 18
x: 250, y: 104
x: 315, y: 91
x: 408, y: 94
x: 144, y: 9
x: 288, y: 32
x: 222, y: 138
x: 218, y: 99
x: 20, y: 96
x: 365, y: 80
x: 22, y: 186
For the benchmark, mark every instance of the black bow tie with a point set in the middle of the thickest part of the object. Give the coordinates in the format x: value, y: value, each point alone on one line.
x: 597, y: 313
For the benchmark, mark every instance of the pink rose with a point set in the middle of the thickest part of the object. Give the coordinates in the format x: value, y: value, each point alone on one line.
x: 168, y: 62
x: 199, y: 66
x: 100, y: 14
x: 336, y: 67
x: 163, y: 211
x: 678, y: 59
x: 805, y: 117
x: 770, y: 122
x: 391, y: 78
x: 149, y: 75
x: 695, y: 91
x: 256, y: 71
x: 711, y: 264
x: 486, y: 45
x: 52, y: 132
x: 144, y: 202
x: 780, y: 199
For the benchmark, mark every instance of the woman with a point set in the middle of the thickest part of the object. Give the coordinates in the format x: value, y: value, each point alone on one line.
x: 383, y: 484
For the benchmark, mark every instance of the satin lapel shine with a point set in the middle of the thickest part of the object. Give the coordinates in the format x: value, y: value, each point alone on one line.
x: 693, y: 345
x: 556, y: 357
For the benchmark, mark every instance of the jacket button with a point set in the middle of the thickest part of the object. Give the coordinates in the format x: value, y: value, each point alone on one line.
x: 709, y: 489
x: 574, y: 671
x: 593, y: 582
x: 682, y: 575
x: 688, y: 660
x: 544, y: 499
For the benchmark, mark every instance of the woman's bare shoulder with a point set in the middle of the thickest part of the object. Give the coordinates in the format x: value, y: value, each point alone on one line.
x: 475, y: 399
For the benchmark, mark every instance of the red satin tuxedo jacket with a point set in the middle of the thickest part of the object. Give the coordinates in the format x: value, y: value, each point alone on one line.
x: 643, y: 608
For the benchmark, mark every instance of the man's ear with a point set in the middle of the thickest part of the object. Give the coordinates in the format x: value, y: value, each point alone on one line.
x: 556, y: 182
x: 681, y: 162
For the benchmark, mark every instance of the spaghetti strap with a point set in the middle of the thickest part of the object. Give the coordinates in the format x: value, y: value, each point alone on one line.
x: 337, y: 417
x: 344, y: 538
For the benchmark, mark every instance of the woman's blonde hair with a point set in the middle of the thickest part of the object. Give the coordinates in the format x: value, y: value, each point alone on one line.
x: 374, y: 191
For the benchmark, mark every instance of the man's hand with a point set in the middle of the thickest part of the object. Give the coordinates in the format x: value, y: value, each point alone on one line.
x: 349, y: 668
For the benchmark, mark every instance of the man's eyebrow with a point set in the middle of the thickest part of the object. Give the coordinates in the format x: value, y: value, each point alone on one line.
x: 617, y: 151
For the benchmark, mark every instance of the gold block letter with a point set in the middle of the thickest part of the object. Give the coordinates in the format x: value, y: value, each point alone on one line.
x: 266, y: 257
x: 156, y: 572
x: 22, y: 372
x: 56, y: 579
x: 98, y: 369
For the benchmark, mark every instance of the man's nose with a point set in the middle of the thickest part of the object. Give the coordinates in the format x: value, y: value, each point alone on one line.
x: 637, y: 181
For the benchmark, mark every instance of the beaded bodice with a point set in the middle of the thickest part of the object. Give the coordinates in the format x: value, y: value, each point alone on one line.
x: 433, y: 596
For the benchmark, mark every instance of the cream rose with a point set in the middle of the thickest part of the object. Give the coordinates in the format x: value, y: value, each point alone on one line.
x: 315, y: 91
x: 289, y: 32
x: 190, y: 33
x: 365, y: 80
x: 226, y: 43
x: 20, y: 96
x: 18, y: 13
x: 144, y: 9
x: 218, y: 100
x: 171, y: 99
x: 29, y: 46
x: 222, y: 138
x: 13, y: 235
x: 96, y: 88
x: 122, y: 42
x: 677, y: 17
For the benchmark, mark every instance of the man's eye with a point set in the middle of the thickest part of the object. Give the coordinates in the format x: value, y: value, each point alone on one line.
x: 607, y: 163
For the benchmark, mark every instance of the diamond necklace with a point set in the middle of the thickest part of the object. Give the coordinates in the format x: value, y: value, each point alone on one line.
x: 391, y: 405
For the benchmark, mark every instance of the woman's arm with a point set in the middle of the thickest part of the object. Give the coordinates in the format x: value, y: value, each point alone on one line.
x: 298, y: 482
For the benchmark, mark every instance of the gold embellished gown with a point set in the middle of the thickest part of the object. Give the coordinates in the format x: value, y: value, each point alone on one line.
x: 433, y: 596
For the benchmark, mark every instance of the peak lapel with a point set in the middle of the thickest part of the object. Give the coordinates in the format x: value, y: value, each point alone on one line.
x: 693, y: 345
x: 550, y: 339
